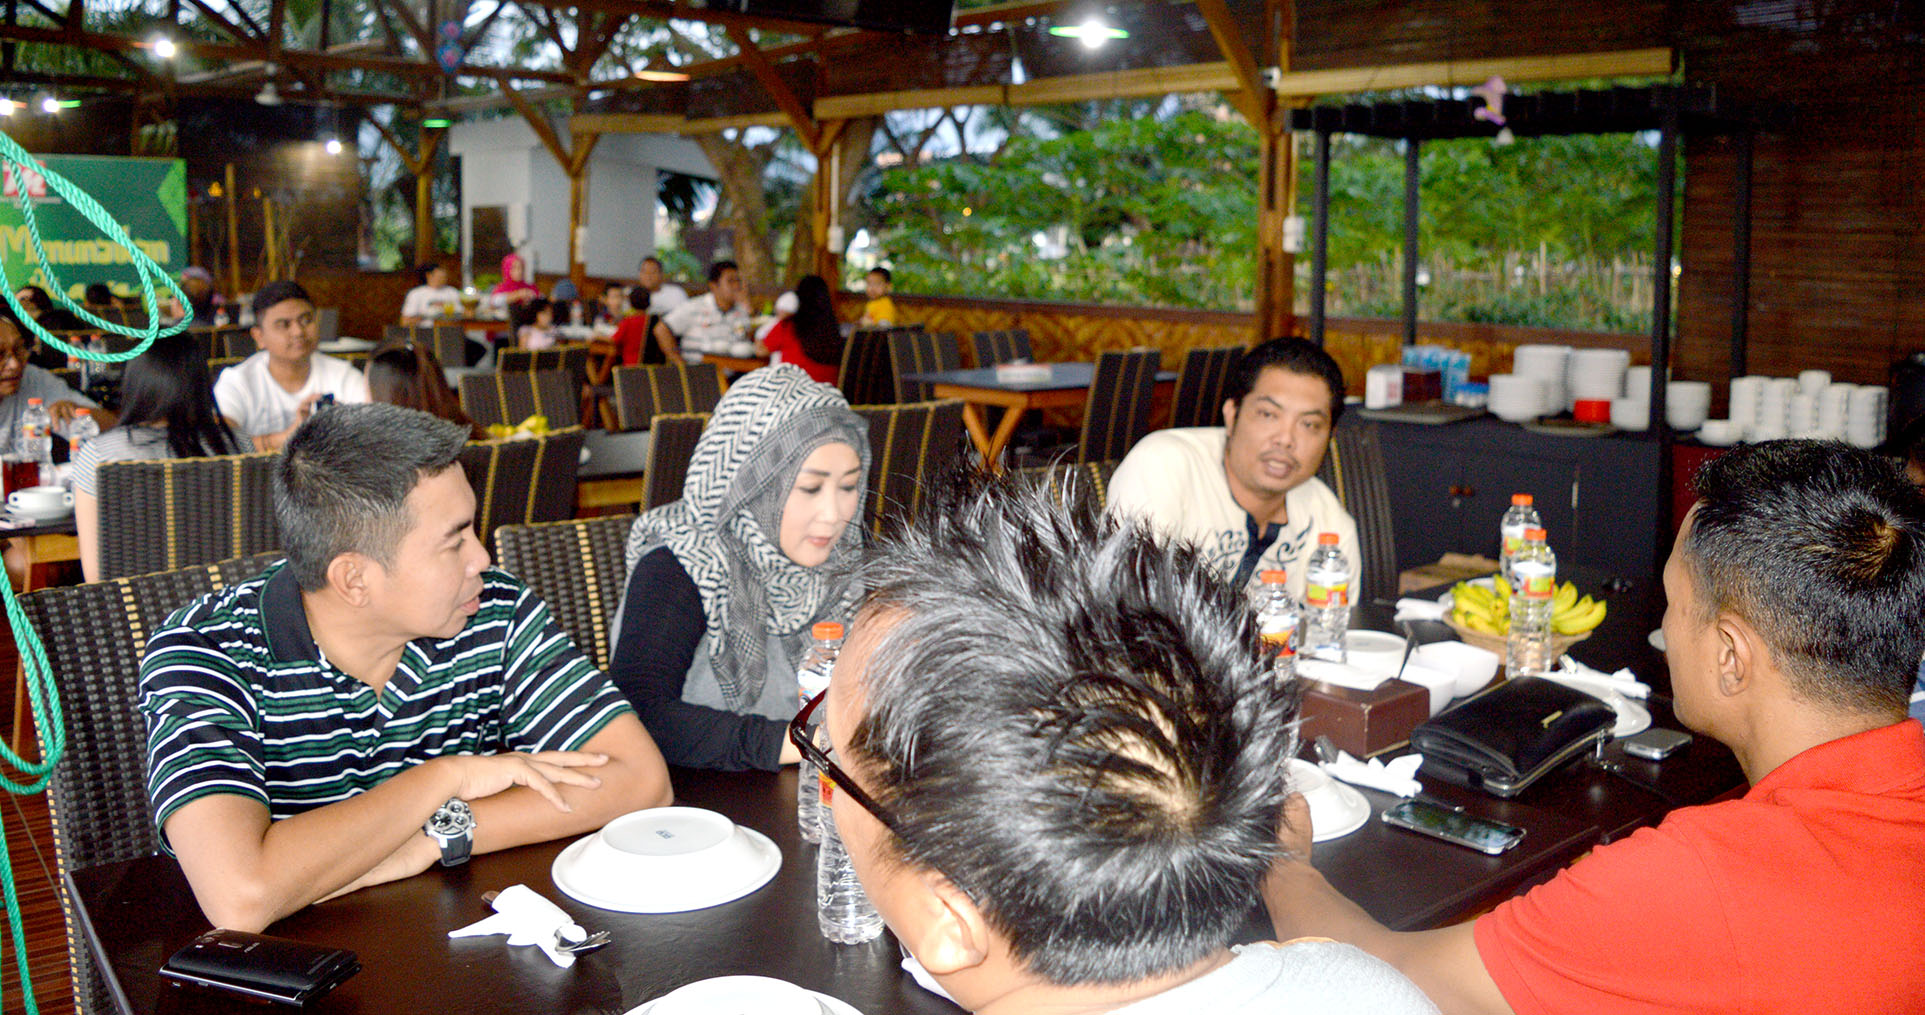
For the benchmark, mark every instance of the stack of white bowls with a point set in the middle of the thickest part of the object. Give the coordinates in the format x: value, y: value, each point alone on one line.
x: 1686, y: 404
x: 1865, y: 416
x: 1834, y: 411
x: 1633, y: 411
x: 1747, y: 402
x: 1550, y: 366
x: 1597, y: 374
x: 1515, y: 398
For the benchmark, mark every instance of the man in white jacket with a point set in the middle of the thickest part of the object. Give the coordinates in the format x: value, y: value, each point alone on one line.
x: 1247, y: 493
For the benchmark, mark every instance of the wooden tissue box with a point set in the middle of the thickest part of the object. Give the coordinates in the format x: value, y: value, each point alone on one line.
x: 1364, y: 722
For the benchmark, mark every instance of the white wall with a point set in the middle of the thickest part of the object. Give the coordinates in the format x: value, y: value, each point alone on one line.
x: 504, y: 163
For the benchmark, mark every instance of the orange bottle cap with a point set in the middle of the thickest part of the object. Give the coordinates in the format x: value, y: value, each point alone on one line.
x: 1327, y: 539
x: 1274, y: 577
x: 828, y: 630
x: 1521, y: 499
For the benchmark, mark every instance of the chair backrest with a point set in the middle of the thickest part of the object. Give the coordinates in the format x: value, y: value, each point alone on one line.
x: 642, y: 393
x: 327, y: 323
x: 993, y: 347
x: 865, y: 376
x: 570, y: 356
x: 1200, y: 384
x: 1080, y: 486
x: 912, y: 351
x: 520, y: 482
x: 576, y: 567
x: 671, y: 443
x: 1117, y: 414
x: 507, y: 398
x: 220, y: 363
x: 233, y: 341
x: 909, y: 445
x: 158, y: 515
x: 1353, y: 469
x: 94, y: 636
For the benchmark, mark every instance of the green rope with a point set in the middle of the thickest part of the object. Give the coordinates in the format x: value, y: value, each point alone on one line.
x: 45, y: 697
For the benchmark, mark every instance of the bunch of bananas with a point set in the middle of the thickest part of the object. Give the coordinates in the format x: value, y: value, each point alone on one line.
x: 1488, y: 611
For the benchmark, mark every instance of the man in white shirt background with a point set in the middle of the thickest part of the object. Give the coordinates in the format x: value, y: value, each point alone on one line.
x: 710, y: 323
x: 424, y: 303
x: 663, y: 295
x: 268, y: 395
x: 1246, y: 493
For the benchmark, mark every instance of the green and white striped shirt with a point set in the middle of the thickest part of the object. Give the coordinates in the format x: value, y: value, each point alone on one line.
x: 238, y: 699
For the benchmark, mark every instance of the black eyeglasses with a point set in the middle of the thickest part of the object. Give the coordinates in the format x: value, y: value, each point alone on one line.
x: 799, y: 736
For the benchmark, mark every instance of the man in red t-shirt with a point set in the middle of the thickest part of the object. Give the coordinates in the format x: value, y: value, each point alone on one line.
x: 1795, y: 622
x: 632, y: 334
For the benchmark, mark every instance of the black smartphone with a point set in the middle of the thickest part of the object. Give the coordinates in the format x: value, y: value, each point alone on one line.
x: 1454, y: 826
x: 272, y: 968
x: 1656, y: 744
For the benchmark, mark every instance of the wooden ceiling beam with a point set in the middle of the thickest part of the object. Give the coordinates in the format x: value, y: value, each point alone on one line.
x: 538, y: 121
x: 662, y: 10
x: 1253, y: 98
x: 799, y: 116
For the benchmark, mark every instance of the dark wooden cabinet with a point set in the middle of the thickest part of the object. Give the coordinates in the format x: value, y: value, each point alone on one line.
x: 1450, y: 486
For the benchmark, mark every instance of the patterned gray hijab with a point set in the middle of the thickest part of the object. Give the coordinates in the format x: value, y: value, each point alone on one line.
x: 726, y: 529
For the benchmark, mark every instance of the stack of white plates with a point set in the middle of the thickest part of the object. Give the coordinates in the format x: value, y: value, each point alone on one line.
x: 1865, y: 416
x: 1811, y: 382
x: 1747, y: 401
x: 1801, y: 415
x: 1550, y: 365
x: 1598, y: 374
x: 1515, y: 398
x: 1834, y: 410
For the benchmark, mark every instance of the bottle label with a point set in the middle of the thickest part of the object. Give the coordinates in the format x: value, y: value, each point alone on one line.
x: 1324, y: 596
x: 1278, y: 643
x: 1535, y: 581
x: 1512, y: 544
x: 824, y: 788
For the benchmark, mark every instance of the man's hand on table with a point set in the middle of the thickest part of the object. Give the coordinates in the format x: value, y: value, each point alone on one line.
x: 1443, y: 963
x: 484, y: 775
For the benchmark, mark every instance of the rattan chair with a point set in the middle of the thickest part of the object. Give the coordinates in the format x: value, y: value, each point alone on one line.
x: 866, y: 377
x: 448, y: 342
x: 671, y: 444
x: 523, y: 481
x: 1082, y: 486
x: 327, y: 323
x: 577, y: 568
x: 231, y: 342
x: 1117, y: 414
x: 909, y: 445
x: 1199, y: 386
x: 913, y: 352
x: 94, y: 636
x: 220, y: 363
x: 993, y: 347
x: 1353, y: 469
x: 505, y: 398
x: 163, y: 514
x: 642, y: 393
x: 569, y: 356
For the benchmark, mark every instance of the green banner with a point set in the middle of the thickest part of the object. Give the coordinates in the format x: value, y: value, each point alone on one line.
x: 148, y: 197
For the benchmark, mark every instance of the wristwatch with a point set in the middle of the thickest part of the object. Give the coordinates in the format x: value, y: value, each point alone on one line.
x: 453, y: 829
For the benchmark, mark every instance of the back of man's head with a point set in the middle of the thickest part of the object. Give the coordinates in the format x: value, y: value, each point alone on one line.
x: 1296, y: 355
x: 1074, y: 725
x: 342, y: 483
x: 1821, y: 548
x: 274, y: 294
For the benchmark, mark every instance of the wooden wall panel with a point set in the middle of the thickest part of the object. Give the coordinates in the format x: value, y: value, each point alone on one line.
x: 1333, y: 34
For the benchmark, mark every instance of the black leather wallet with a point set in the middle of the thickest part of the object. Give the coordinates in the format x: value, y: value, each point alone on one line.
x: 1508, y: 737
x: 270, y: 968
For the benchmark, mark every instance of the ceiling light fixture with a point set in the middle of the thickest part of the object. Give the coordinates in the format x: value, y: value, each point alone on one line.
x: 1092, y: 32
x: 268, y: 95
x: 163, y: 47
x: 7, y: 106
x: 436, y: 123
x: 333, y: 146
x: 660, y: 75
x: 49, y: 104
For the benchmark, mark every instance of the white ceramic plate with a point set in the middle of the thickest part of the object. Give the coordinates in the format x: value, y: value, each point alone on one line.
x: 1356, y: 813
x: 719, y: 890
x: 748, y: 995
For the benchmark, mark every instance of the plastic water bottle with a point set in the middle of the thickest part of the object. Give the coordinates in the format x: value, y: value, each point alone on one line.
x: 1277, y: 622
x: 36, y: 439
x: 1510, y: 532
x: 1533, y: 589
x: 842, y: 908
x: 1327, y: 602
x: 813, y: 679
x: 83, y: 429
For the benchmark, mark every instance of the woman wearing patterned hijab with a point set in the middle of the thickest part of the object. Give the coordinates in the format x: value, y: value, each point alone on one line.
x: 724, y: 584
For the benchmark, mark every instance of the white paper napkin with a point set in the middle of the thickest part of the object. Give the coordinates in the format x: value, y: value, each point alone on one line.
x: 1341, y: 674
x: 1419, y: 609
x: 923, y: 977
x: 1623, y: 681
x: 1398, y: 776
x: 528, y: 919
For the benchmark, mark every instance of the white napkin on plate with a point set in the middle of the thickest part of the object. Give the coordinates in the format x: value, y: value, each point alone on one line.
x: 1398, y: 776
x: 528, y: 919
x: 1419, y: 609
x: 1623, y: 681
x: 1341, y: 674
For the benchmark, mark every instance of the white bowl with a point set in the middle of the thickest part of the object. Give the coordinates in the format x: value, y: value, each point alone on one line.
x: 666, y: 860
x: 1686, y: 404
x: 41, y: 501
x: 1335, y: 809
x: 1374, y: 651
x: 1630, y: 413
x: 1472, y: 666
x: 1720, y: 433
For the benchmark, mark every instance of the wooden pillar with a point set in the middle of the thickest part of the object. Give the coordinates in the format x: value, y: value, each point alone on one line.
x: 827, y: 198
x: 233, y: 235
x: 1276, y: 268
x: 421, y: 164
x: 577, y: 169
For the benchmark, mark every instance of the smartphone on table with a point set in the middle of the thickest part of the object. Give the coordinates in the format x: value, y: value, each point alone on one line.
x: 1453, y: 826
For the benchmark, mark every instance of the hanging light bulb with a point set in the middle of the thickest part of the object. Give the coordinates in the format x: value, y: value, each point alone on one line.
x: 7, y: 106
x: 1093, y: 32
x: 163, y: 47
x: 49, y: 104
x: 333, y: 146
x: 268, y: 95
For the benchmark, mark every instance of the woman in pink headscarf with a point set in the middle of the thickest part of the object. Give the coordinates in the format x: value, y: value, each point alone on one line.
x: 513, y: 288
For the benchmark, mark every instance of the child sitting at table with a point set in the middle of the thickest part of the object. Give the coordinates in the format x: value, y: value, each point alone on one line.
x: 538, y: 328
x: 725, y: 583
x: 880, y: 311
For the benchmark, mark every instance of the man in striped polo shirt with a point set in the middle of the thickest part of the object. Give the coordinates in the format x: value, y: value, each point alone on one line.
x: 305, y: 728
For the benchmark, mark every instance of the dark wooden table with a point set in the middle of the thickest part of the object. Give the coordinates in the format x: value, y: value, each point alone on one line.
x: 1067, y: 386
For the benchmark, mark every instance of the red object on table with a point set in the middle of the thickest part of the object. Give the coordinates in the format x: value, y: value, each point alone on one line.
x: 1592, y: 410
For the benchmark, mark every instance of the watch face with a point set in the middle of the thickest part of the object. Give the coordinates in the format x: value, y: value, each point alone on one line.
x: 453, y: 818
